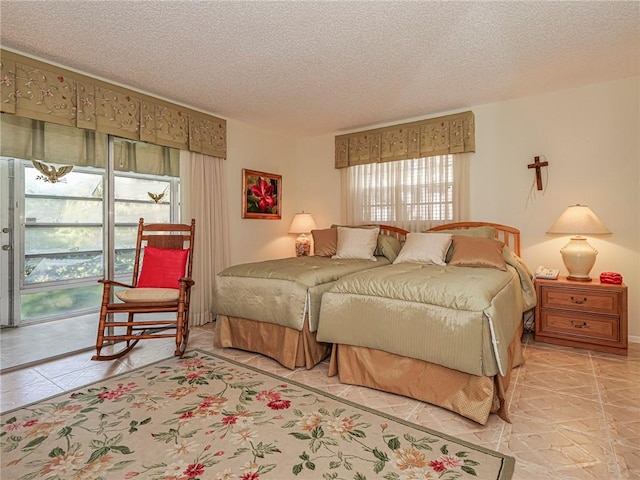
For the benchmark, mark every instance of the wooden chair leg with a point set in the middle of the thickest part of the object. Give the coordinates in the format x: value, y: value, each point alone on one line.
x: 130, y: 329
x: 106, y: 295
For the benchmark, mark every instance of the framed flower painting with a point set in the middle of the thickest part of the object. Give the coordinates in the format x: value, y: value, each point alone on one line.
x: 261, y: 195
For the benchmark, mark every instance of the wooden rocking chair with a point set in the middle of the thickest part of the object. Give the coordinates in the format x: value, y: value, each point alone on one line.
x: 164, y: 259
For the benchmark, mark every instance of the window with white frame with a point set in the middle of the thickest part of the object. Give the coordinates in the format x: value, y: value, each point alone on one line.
x: 414, y: 194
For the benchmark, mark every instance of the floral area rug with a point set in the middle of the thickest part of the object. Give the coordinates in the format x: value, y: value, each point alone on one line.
x: 206, y: 417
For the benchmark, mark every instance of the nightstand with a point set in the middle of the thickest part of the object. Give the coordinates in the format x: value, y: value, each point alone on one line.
x: 589, y: 315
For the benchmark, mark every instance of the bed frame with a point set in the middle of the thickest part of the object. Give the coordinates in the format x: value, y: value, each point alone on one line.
x: 471, y: 396
x: 292, y: 348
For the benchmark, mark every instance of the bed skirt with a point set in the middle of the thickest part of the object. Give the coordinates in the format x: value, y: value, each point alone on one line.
x: 292, y: 348
x: 471, y: 396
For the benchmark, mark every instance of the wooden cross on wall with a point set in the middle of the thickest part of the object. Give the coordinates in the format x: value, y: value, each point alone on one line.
x: 537, y: 164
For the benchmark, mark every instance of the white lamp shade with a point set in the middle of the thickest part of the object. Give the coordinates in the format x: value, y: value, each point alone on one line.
x: 579, y: 220
x: 302, y: 223
x: 578, y: 256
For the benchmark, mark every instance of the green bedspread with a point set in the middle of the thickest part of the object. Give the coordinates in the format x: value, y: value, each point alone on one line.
x: 282, y: 291
x: 459, y: 317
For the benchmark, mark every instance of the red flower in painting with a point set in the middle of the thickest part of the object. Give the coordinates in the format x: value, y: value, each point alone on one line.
x: 437, y: 466
x: 264, y: 192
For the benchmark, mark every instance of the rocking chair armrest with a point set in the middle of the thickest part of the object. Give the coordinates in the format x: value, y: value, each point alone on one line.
x: 187, y: 282
x: 113, y: 282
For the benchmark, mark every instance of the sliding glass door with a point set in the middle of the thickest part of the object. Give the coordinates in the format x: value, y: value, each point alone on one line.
x: 66, y: 226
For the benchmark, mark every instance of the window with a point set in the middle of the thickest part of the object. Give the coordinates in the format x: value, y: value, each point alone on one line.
x: 414, y: 194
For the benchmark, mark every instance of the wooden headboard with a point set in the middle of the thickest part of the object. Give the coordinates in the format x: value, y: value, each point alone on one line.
x: 509, y: 235
x: 396, y: 232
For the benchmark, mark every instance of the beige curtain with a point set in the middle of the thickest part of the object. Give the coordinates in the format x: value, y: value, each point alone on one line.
x: 414, y: 194
x: 203, y: 196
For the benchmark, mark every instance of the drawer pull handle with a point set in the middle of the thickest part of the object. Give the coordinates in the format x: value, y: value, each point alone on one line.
x: 579, y: 301
x: 578, y: 324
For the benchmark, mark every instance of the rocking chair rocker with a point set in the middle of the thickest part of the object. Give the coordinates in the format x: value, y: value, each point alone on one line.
x: 164, y: 259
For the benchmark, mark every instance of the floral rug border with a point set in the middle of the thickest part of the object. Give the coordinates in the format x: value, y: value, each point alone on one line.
x: 507, y: 462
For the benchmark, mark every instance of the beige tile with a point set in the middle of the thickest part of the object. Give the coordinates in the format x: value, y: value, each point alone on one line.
x: 20, y: 387
x: 628, y: 458
x: 618, y: 391
x: 623, y: 423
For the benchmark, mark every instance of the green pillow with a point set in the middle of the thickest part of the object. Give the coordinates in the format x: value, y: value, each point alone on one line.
x: 388, y: 246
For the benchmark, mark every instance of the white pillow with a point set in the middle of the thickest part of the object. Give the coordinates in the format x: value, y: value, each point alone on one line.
x: 357, y: 243
x: 428, y: 248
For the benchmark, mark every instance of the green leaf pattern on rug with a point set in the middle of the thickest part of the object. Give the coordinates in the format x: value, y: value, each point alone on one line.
x: 202, y: 417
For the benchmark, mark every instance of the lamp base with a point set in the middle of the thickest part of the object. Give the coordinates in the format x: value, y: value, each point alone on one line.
x: 303, y: 246
x: 579, y: 258
x: 579, y: 279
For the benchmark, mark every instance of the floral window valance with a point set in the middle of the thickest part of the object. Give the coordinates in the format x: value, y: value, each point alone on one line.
x: 424, y: 138
x: 39, y: 91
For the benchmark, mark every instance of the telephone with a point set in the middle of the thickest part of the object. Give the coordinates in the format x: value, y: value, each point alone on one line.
x: 546, y: 272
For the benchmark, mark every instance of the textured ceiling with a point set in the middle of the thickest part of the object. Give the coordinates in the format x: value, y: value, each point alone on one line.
x: 318, y: 67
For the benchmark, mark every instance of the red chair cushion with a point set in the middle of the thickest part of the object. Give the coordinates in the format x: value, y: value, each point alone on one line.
x: 162, y: 267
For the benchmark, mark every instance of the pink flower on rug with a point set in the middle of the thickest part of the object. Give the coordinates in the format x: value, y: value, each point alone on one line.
x: 279, y: 404
x: 437, y: 466
x: 118, y: 392
x: 186, y: 416
x: 131, y: 475
x: 230, y: 420
x: 194, y: 470
x: 191, y: 363
x: 450, y: 461
x: 268, y: 395
x: 250, y: 476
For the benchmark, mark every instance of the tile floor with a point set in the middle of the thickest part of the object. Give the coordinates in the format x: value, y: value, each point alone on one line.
x: 30, y: 344
x: 575, y: 413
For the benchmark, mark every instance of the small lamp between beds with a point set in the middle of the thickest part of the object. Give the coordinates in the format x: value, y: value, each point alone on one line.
x: 578, y: 256
x: 302, y: 224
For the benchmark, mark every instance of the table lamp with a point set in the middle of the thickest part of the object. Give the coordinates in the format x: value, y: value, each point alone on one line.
x: 302, y: 224
x: 578, y: 256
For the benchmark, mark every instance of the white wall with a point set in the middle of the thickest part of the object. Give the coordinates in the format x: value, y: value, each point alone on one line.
x: 256, y: 149
x: 591, y: 138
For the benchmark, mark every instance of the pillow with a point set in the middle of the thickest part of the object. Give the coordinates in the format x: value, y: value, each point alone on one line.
x: 357, y: 243
x: 477, y: 252
x: 144, y: 295
x: 486, y: 231
x: 325, y: 242
x: 388, y: 247
x: 162, y: 267
x: 427, y: 248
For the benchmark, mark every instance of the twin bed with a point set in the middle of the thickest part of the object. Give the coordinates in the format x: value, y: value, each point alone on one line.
x: 439, y: 320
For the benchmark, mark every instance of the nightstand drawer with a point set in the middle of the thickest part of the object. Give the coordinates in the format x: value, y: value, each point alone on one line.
x: 583, y: 326
x: 580, y: 300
